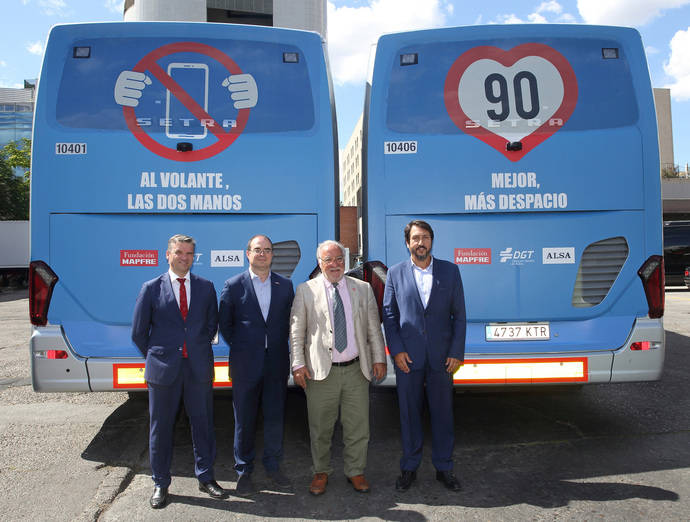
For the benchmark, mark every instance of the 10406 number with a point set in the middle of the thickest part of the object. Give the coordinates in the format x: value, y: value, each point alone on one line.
x: 400, y: 147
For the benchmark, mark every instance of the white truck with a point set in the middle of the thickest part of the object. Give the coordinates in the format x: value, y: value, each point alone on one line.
x: 14, y: 254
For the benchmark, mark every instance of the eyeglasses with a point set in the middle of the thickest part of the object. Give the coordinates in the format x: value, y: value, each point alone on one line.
x: 328, y: 260
x: 259, y: 251
x: 419, y: 239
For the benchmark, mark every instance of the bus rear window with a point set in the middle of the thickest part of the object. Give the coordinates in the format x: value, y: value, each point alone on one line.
x: 604, y: 86
x: 285, y: 100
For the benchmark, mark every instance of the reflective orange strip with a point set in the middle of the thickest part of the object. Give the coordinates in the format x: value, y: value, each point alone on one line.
x: 131, y: 375
x: 221, y: 375
x: 128, y: 375
x: 507, y: 371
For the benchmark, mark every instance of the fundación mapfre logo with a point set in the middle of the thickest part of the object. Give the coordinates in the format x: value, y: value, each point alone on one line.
x: 138, y: 257
x: 558, y: 255
x: 227, y: 258
x: 472, y: 256
x: 516, y: 257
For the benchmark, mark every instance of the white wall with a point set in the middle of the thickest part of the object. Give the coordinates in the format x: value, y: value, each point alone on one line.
x: 309, y: 15
x: 167, y: 10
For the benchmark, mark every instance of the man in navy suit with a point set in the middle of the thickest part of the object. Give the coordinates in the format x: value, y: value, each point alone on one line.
x: 254, y: 321
x: 424, y: 321
x: 175, y: 320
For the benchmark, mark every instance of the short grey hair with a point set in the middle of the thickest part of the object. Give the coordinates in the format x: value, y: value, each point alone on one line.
x: 180, y: 238
x: 328, y: 243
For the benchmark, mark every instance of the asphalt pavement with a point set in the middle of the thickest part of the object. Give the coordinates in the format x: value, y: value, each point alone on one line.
x: 614, y: 452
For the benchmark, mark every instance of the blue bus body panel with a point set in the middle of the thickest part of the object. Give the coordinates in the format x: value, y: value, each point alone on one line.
x: 95, y: 309
x: 110, y: 186
x: 588, y: 137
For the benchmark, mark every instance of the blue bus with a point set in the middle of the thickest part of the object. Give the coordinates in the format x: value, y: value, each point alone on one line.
x: 532, y: 152
x: 144, y: 130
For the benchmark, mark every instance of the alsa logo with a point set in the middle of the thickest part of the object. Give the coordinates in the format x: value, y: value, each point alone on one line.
x: 227, y: 258
x: 558, y: 255
x: 138, y: 257
x: 516, y: 257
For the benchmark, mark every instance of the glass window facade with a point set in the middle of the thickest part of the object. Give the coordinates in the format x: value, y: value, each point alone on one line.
x: 15, y: 121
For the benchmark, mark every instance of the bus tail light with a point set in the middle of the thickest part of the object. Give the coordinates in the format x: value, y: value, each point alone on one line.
x: 652, y: 275
x: 51, y: 354
x: 41, y: 283
x: 374, y: 273
x: 645, y: 345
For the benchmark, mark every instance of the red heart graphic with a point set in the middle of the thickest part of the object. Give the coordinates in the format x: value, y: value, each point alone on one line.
x: 507, y: 59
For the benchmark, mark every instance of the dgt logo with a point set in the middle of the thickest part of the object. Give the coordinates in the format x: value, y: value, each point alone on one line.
x: 516, y: 257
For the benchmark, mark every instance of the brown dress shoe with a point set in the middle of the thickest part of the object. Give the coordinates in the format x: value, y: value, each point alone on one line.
x: 359, y: 483
x: 318, y: 484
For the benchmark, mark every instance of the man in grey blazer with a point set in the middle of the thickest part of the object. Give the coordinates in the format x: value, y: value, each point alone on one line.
x: 337, y: 347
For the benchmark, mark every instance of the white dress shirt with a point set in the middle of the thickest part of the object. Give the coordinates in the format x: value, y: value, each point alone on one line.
x: 176, y: 287
x: 424, y: 278
x: 262, y: 289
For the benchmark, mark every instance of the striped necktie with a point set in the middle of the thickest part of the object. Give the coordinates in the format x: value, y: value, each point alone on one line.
x: 339, y: 324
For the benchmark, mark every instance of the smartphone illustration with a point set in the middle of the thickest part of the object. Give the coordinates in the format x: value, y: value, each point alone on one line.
x: 193, y: 78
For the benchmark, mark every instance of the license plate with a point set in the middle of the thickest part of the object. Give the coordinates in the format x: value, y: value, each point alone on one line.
x: 518, y: 332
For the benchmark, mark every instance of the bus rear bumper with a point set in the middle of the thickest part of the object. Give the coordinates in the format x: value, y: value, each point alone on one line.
x: 641, y: 358
x: 54, y: 365
x: 645, y: 363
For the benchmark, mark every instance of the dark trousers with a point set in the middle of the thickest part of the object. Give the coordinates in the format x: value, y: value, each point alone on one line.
x: 248, y: 397
x: 164, y: 402
x: 439, y: 391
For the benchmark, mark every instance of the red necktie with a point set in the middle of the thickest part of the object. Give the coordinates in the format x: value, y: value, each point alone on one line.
x: 183, y: 309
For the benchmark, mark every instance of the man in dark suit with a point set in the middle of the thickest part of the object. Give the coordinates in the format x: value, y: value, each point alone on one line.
x: 424, y: 322
x: 254, y: 321
x: 175, y: 320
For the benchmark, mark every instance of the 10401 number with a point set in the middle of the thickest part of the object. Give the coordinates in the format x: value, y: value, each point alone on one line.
x: 70, y: 148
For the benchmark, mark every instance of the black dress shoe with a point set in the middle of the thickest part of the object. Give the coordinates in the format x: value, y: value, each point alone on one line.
x: 405, y: 480
x: 159, y: 497
x: 213, y: 489
x: 448, y: 480
x: 279, y: 480
x: 245, y: 486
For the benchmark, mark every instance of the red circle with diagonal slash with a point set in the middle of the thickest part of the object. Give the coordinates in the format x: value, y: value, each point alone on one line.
x: 225, y: 138
x: 508, y: 58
